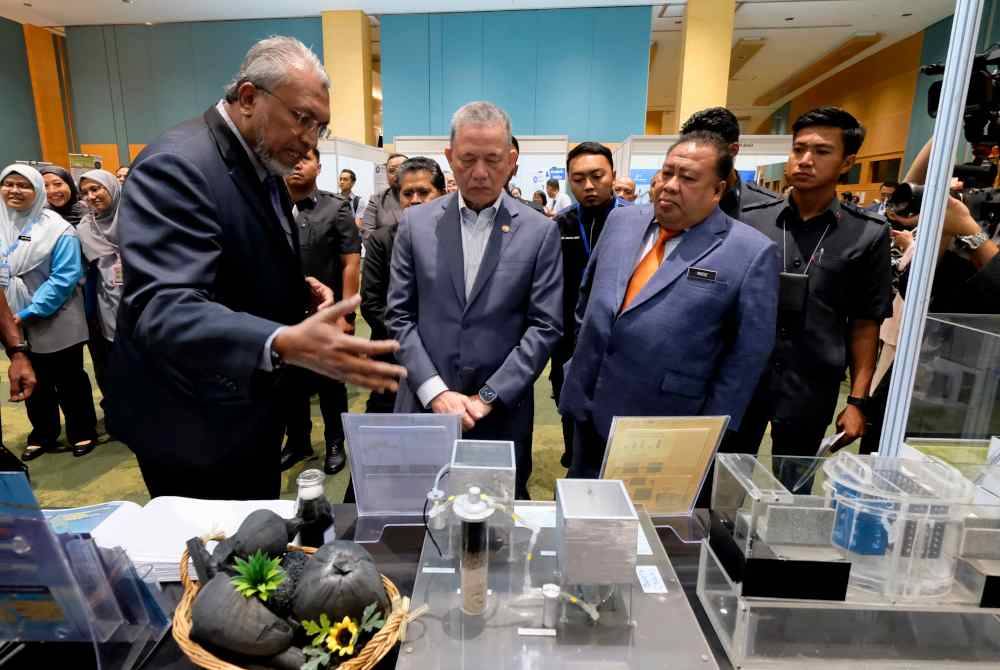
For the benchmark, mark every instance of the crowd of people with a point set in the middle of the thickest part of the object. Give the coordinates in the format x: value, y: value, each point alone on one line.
x: 216, y: 287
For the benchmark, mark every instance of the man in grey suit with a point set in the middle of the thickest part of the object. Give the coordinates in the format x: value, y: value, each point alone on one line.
x: 677, y: 307
x: 383, y: 208
x: 475, y: 293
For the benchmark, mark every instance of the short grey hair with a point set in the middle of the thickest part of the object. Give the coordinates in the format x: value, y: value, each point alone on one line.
x: 480, y: 113
x: 269, y: 62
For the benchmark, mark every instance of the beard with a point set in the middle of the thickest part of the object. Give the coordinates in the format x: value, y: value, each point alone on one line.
x: 272, y: 164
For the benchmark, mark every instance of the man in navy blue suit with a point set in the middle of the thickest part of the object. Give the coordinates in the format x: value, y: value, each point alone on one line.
x: 677, y: 308
x: 214, y: 296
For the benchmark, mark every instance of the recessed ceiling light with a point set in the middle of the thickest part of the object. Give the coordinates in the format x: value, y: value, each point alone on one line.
x: 789, y: 18
x: 149, y: 23
x: 907, y: 14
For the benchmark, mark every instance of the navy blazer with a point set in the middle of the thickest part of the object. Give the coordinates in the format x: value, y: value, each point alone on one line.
x: 504, y: 333
x: 209, y: 276
x: 687, y: 345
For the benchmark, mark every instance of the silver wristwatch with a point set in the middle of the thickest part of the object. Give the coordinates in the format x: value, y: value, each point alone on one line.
x: 966, y: 244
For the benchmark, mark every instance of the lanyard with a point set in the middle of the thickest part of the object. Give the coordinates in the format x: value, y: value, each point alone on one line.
x: 583, y: 232
x: 24, y: 233
x: 812, y: 257
x: 587, y: 247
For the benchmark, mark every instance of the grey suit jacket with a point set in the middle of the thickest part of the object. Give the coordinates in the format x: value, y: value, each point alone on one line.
x: 383, y: 210
x: 504, y: 333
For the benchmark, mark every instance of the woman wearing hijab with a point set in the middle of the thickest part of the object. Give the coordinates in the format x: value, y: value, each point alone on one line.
x: 98, y: 231
x: 62, y: 194
x: 40, y: 271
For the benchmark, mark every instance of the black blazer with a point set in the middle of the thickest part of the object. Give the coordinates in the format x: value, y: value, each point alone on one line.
x: 209, y: 276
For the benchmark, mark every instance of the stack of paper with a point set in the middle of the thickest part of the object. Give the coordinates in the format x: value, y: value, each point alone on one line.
x: 154, y: 536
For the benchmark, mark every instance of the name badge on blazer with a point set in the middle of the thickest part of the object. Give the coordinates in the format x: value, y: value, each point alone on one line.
x: 702, y: 274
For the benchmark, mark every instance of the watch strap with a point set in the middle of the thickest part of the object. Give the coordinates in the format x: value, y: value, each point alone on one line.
x: 856, y: 401
x: 19, y: 348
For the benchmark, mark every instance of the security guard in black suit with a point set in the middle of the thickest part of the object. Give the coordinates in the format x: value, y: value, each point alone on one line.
x: 835, y: 291
x: 591, y: 174
x: 741, y: 195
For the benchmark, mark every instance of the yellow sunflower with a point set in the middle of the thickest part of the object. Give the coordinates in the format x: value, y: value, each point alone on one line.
x: 342, y: 637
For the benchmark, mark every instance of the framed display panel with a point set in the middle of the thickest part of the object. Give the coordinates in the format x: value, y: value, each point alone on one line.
x: 663, y: 460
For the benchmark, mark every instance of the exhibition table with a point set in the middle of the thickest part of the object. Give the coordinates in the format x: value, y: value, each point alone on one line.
x: 397, y: 555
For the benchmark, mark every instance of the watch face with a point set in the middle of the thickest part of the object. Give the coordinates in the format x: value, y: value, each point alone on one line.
x: 487, y: 395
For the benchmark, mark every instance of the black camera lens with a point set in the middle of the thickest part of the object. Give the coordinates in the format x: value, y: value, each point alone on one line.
x: 906, y: 199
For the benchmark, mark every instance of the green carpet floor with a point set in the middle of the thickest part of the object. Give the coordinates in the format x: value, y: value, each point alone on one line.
x: 110, y: 472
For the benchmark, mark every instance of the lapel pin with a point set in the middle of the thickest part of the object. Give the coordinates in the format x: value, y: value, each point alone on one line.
x: 505, y: 228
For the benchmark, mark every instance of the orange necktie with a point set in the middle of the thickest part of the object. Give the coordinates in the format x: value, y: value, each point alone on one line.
x: 647, y: 267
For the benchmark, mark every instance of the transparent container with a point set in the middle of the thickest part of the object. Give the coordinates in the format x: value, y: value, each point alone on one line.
x: 957, y: 389
x: 394, y: 459
x: 898, y: 521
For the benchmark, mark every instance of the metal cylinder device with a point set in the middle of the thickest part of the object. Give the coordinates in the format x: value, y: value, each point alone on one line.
x: 550, y: 611
x: 474, y: 513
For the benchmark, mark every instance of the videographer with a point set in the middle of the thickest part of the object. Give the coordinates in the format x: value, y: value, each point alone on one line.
x: 967, y: 278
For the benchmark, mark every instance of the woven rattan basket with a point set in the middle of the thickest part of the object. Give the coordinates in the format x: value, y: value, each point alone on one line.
x: 377, y: 647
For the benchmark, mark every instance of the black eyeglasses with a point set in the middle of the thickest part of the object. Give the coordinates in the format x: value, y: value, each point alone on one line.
x: 307, y: 122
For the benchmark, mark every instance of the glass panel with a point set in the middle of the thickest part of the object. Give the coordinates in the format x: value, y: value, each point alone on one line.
x: 956, y: 387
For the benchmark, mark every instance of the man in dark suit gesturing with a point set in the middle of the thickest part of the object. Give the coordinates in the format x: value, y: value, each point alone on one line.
x: 214, y: 297
x: 475, y: 292
x: 677, y: 307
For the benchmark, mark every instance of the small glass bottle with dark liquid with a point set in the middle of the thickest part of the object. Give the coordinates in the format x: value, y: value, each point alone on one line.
x: 314, y: 510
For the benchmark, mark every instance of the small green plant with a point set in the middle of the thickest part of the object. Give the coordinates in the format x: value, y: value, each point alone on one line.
x: 338, y: 639
x: 260, y: 576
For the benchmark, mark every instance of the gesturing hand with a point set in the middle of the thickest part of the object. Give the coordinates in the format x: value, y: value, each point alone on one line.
x: 318, y: 344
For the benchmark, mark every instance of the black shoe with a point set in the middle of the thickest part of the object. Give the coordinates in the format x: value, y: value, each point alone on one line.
x: 290, y: 455
x: 566, y: 460
x: 335, y: 459
x: 84, y: 447
x: 33, y: 451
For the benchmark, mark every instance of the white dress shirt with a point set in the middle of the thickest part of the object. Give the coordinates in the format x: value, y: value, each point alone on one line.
x: 650, y: 240
x: 559, y: 203
x: 476, y: 229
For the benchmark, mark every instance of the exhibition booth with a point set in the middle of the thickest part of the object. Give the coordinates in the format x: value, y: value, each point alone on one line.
x: 884, y: 561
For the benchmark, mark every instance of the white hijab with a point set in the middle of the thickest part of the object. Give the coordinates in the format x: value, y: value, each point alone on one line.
x: 40, y: 226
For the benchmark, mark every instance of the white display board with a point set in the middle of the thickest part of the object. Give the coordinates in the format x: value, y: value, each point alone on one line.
x: 541, y: 156
x: 338, y: 154
x: 640, y: 156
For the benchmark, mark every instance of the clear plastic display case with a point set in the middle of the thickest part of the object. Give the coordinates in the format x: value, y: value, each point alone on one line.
x: 884, y: 564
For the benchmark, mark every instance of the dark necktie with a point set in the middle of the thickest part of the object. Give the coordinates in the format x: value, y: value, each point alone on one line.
x: 274, y: 183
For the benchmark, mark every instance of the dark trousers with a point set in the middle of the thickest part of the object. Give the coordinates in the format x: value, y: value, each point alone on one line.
x: 800, y: 436
x: 588, y: 452
x: 875, y: 415
x: 62, y: 383
x: 100, y: 350
x: 568, y: 423
x: 381, y: 403
x: 251, y: 473
x: 332, y: 402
